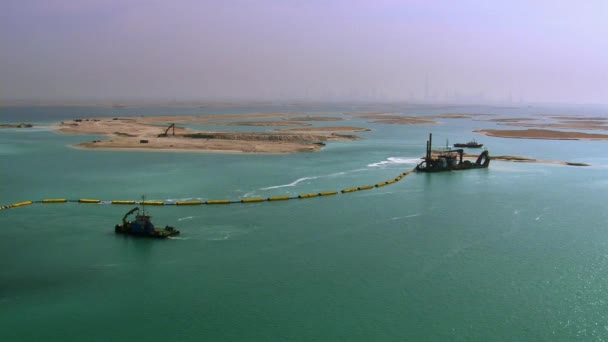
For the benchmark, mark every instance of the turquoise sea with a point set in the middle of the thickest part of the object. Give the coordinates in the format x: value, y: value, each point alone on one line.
x: 516, y: 252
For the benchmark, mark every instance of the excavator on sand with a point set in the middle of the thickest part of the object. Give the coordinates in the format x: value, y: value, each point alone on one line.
x: 163, y: 135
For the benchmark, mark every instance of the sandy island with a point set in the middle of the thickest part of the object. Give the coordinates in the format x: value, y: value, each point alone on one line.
x: 315, y: 118
x: 394, y: 119
x: 262, y: 123
x: 541, y: 134
x: 142, y: 133
x: 145, y: 133
x: 559, y: 122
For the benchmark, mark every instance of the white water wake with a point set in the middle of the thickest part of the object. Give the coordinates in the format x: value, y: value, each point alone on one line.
x: 294, y: 183
x: 300, y: 180
x: 387, y: 162
x: 406, y: 216
x: 395, y: 161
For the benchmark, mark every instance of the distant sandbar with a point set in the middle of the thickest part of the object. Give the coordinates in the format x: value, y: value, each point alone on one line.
x: 146, y: 133
x: 541, y: 134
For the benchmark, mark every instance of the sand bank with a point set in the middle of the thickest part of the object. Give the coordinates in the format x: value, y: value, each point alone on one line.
x: 315, y: 118
x: 142, y: 133
x: 556, y: 121
x: 325, y: 129
x: 511, y: 120
x: 459, y: 115
x: 541, y: 134
x: 392, y: 119
x: 263, y: 123
x: 582, y: 125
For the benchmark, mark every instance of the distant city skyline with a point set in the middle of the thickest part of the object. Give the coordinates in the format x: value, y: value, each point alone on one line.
x: 410, y: 50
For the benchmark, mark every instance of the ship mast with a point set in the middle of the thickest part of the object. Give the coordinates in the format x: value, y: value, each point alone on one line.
x: 143, y: 205
x: 428, y: 147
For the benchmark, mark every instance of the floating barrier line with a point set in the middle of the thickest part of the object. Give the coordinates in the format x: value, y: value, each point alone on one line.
x: 209, y: 202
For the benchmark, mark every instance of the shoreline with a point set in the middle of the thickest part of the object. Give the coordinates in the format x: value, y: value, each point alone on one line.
x: 156, y: 134
x: 543, y: 134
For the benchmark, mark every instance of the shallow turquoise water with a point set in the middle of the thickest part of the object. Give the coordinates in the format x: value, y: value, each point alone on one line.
x: 514, y: 252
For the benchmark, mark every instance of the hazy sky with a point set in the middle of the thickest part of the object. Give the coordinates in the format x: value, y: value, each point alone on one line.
x: 450, y: 50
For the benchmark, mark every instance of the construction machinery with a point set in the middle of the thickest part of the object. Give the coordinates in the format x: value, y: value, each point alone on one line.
x: 142, y: 226
x: 448, y: 160
x: 165, y: 134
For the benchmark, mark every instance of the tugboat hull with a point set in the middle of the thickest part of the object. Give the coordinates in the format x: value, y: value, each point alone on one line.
x: 156, y: 233
x: 143, y: 226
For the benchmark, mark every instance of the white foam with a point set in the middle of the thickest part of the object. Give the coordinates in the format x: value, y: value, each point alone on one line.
x: 294, y: 183
x: 300, y: 180
x: 395, y: 161
x: 185, y: 218
x: 31, y: 129
x: 173, y: 200
x: 404, y: 217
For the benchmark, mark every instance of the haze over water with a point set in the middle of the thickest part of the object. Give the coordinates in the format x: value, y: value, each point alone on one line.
x: 440, y: 51
x: 513, y: 252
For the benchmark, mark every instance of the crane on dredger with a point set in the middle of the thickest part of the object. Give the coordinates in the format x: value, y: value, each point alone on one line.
x: 142, y: 225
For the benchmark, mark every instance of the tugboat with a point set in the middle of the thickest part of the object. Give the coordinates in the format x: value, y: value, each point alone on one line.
x: 470, y: 144
x: 449, y: 160
x: 142, y: 226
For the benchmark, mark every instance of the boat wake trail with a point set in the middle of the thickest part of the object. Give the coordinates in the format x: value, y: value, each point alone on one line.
x: 294, y: 183
x: 407, y: 216
x: 300, y: 180
x: 177, y: 238
x: 395, y: 161
x: 185, y: 218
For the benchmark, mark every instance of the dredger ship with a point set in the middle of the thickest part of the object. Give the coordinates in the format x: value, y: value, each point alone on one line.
x: 450, y: 160
x: 142, y: 226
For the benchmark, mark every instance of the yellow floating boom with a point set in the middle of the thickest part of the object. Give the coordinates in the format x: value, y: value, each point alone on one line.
x: 152, y: 203
x: 122, y: 202
x: 198, y: 202
x: 218, y: 202
x: 252, y: 200
x: 189, y: 202
x: 54, y: 200
x: 278, y: 198
x: 85, y: 200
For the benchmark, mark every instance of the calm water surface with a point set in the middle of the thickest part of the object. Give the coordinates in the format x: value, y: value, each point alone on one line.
x: 516, y: 252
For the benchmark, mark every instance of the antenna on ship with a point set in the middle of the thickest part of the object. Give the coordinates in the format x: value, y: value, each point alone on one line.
x: 143, y: 205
